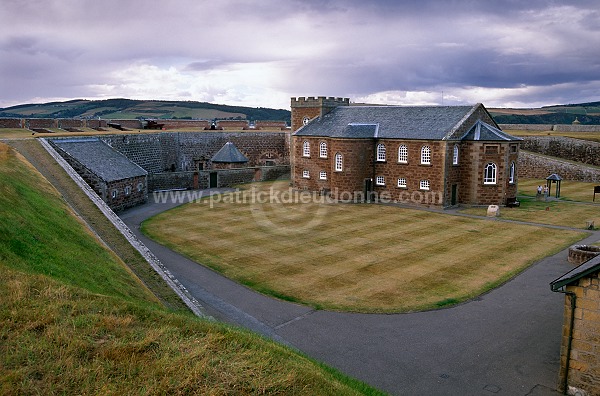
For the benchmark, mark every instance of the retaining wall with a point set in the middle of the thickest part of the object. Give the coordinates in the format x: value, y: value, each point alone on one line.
x: 550, y: 127
x: 584, y: 151
x: 534, y: 166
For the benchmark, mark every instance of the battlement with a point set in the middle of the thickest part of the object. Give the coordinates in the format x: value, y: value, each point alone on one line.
x: 319, y: 101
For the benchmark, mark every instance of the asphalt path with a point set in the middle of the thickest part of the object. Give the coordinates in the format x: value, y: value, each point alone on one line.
x: 505, y: 342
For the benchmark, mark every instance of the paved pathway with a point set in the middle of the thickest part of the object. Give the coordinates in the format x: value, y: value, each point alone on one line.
x: 505, y: 342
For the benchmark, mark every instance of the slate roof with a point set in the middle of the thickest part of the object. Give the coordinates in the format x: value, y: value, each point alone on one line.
x: 229, y: 153
x: 101, y: 159
x: 483, y: 131
x: 589, y: 267
x: 395, y: 122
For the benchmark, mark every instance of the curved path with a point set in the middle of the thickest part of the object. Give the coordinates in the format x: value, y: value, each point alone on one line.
x: 505, y: 342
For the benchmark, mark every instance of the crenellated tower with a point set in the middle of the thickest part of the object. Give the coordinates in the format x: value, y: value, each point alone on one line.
x: 305, y: 109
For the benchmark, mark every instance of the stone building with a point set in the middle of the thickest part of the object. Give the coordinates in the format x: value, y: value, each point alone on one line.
x: 436, y: 155
x: 118, y: 181
x: 228, y: 157
x: 580, y: 347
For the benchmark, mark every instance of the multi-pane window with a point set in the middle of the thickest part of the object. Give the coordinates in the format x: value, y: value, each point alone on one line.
x: 424, y: 185
x: 381, y: 152
x: 323, y: 175
x: 403, y: 154
x: 380, y: 181
x: 455, y: 155
x: 489, y: 174
x: 511, y: 173
x: 425, y: 155
x: 305, y: 174
x: 323, y: 150
x: 402, y: 182
x: 339, y: 162
x: 306, y: 149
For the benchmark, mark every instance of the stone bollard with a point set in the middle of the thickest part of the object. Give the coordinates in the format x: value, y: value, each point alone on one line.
x: 493, y: 211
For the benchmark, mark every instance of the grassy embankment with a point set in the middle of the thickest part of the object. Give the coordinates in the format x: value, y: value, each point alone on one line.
x: 73, y: 319
x: 354, y: 257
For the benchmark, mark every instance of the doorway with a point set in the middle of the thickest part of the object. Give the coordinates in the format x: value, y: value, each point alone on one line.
x: 212, y: 180
x: 454, y: 195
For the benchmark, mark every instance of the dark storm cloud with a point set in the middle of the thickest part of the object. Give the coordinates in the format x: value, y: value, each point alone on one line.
x: 260, y: 53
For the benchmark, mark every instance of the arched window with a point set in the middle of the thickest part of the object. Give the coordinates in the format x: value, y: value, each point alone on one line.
x: 403, y: 154
x: 511, y: 173
x: 306, y: 149
x: 323, y: 150
x: 425, y: 155
x: 381, y: 152
x: 489, y: 174
x: 455, y: 155
x: 339, y: 162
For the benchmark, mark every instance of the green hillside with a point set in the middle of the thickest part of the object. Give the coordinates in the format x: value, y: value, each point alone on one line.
x: 74, y: 320
x: 132, y: 109
x: 586, y: 114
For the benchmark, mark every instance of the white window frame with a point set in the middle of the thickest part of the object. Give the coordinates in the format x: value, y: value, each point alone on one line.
x: 511, y: 173
x: 425, y: 155
x: 402, y: 182
x: 140, y: 187
x: 455, y: 155
x: 489, y: 173
x: 323, y: 150
x: 306, y: 149
x: 127, y: 190
x: 380, y: 181
x: 322, y: 175
x: 381, y: 152
x: 403, y: 154
x: 339, y: 162
x: 424, y: 185
x: 306, y: 174
x: 114, y: 194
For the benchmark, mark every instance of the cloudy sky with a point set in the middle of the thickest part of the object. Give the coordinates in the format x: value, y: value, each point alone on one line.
x: 503, y: 53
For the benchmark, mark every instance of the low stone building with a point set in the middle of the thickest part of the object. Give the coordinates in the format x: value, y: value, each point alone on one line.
x: 118, y: 181
x: 228, y: 157
x: 428, y: 155
x: 580, y: 347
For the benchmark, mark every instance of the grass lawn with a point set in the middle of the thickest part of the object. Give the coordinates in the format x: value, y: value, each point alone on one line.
x: 354, y: 257
x: 574, y: 209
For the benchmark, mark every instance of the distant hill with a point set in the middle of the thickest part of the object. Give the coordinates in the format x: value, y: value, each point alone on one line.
x: 586, y: 114
x: 132, y: 109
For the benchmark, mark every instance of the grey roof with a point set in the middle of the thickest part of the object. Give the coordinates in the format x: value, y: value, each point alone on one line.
x: 229, y: 153
x: 100, y: 158
x: 419, y: 122
x: 589, y: 267
x: 554, y: 177
x: 482, y: 131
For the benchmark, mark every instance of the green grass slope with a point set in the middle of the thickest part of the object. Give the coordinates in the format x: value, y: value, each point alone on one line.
x: 73, y: 320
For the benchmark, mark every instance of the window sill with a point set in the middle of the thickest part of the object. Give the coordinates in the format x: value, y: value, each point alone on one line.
x: 425, y: 164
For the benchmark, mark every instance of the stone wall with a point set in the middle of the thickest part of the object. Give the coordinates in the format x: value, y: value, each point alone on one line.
x: 550, y: 127
x: 11, y: 123
x: 583, y: 151
x: 225, y: 177
x: 185, y: 151
x: 127, y: 193
x: 584, y: 362
x: 532, y: 166
x: 31, y: 123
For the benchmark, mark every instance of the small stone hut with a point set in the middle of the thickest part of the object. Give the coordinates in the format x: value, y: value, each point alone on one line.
x: 228, y: 157
x: 118, y: 181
